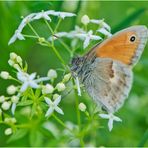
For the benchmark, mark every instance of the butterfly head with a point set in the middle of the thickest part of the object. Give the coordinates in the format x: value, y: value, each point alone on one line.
x: 77, y: 64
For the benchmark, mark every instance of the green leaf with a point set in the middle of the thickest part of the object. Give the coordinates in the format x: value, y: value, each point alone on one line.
x: 144, y: 139
x: 35, y: 138
x: 37, y: 93
x: 18, y: 135
x: 25, y: 103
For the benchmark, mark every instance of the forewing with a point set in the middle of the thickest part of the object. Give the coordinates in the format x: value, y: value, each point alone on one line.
x: 121, y: 47
x: 109, y: 83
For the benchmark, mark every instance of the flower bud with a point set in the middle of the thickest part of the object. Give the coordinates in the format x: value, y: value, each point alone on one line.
x: 82, y: 107
x: 2, y: 99
x: 47, y: 89
x: 19, y: 60
x: 41, y: 40
x: 13, y: 56
x: 4, y: 75
x: 6, y: 105
x: 15, y: 99
x: 55, y: 96
x: 60, y: 87
x: 16, y: 66
x: 66, y: 77
x: 52, y: 74
x: 10, y: 120
x: 8, y: 131
x: 85, y: 19
x: 11, y: 89
x: 10, y: 62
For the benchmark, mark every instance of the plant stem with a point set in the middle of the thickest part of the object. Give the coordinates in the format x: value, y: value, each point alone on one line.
x: 29, y: 36
x: 78, y: 117
x: 61, y: 122
x: 58, y: 24
x: 33, y: 30
x: 66, y: 47
x: 48, y: 25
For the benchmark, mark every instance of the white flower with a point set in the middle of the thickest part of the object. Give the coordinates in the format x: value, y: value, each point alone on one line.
x: 2, y: 99
x: 60, y: 87
x: 17, y: 35
x: 101, y: 23
x: 85, y: 19
x: 11, y: 89
x: 8, y: 131
x: 29, y: 80
x: 14, y: 100
x: 4, y: 75
x: 52, y: 74
x: 78, y: 85
x: 62, y: 14
x: 42, y: 14
x: 6, y: 105
x: 87, y: 37
x: 47, y: 89
x: 53, y: 106
x: 111, y: 118
x: 105, y: 32
x: 67, y: 77
x: 82, y: 107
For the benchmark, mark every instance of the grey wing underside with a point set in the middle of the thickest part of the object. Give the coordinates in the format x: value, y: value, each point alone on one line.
x: 109, y: 83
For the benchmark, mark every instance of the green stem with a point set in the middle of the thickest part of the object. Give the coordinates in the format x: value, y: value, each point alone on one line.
x: 61, y: 122
x: 66, y: 47
x: 48, y: 25
x: 58, y: 24
x: 29, y: 36
x: 33, y: 30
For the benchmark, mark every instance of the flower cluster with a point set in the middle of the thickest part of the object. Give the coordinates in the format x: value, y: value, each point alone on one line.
x: 36, y: 16
x: 84, y: 34
x: 49, y: 94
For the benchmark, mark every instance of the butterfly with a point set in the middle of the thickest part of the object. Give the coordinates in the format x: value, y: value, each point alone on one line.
x: 106, y: 70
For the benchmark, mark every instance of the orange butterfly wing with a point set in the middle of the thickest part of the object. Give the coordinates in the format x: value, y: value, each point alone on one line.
x: 125, y: 46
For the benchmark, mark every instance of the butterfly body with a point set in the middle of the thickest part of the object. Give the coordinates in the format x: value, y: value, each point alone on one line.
x: 106, y: 70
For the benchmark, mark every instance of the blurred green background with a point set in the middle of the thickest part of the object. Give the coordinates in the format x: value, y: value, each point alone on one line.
x: 134, y: 128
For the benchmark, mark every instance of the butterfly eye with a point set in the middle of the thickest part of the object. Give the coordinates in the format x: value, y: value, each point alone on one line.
x: 132, y: 38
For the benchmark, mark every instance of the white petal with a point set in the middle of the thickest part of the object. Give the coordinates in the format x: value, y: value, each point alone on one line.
x: 105, y: 116
x: 105, y: 25
x: 42, y: 79
x: 117, y: 119
x: 24, y: 87
x: 96, y: 21
x: 57, y: 109
x: 20, y: 36
x: 47, y: 17
x: 12, y: 40
x: 57, y: 101
x: 13, y: 108
x: 94, y: 37
x: 105, y: 32
x: 49, y: 112
x: 32, y: 84
x: 48, y: 101
x: 86, y: 42
x: 110, y: 124
x: 38, y: 16
x: 32, y: 76
x: 78, y: 86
